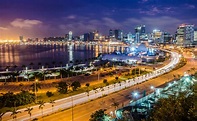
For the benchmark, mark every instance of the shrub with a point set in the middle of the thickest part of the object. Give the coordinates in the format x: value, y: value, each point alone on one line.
x: 49, y: 94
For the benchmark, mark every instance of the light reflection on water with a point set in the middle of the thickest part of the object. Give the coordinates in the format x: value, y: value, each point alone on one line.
x: 19, y: 55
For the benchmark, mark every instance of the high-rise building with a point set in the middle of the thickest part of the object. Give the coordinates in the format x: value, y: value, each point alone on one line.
x: 137, y: 37
x: 158, y: 36
x: 129, y: 37
x: 70, y: 34
x: 111, y: 33
x: 86, y: 37
x: 140, y: 31
x: 118, y: 34
x: 195, y: 36
x: 185, y: 34
x: 167, y: 37
x: 66, y: 37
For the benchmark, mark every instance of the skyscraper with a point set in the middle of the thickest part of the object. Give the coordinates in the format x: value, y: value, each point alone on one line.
x: 185, y: 34
x: 140, y: 30
x: 195, y: 36
x: 118, y: 34
x: 158, y: 36
x: 70, y: 34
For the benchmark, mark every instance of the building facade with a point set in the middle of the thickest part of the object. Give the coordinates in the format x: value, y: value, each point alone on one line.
x: 185, y: 34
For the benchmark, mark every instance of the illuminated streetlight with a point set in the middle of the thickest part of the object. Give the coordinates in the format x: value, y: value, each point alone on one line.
x: 99, y: 73
x: 152, y: 87
x: 35, y: 91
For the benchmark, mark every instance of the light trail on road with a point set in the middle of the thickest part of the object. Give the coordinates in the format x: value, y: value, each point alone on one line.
x: 82, y: 98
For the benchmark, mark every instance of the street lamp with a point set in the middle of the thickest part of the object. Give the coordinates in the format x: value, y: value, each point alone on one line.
x: 152, y: 87
x: 135, y: 95
x: 35, y: 91
x: 99, y: 73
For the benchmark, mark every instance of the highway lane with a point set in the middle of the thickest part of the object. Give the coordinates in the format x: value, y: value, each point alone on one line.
x: 83, y: 112
x: 81, y: 98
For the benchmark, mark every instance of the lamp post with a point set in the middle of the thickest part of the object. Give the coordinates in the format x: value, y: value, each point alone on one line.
x: 35, y: 91
x: 153, y: 88
x: 99, y: 73
x: 135, y: 95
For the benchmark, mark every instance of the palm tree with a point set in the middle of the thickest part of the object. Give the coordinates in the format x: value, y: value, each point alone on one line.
x: 41, y: 106
x: 31, y: 64
x: 28, y: 110
x: 15, y: 66
x: 53, y: 62
x: 14, y: 113
x: 114, y: 103
x: 61, y: 63
x: 46, y: 64
x: 39, y: 65
x: 95, y: 91
x: 102, y: 89
x: 23, y: 66
x: 7, y: 68
x: 114, y: 86
x: 52, y: 104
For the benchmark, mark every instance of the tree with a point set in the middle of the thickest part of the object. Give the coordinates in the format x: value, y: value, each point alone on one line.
x: 53, y: 62
x: 95, y: 91
x: 47, y: 65
x: 49, y: 94
x: 39, y: 65
x: 23, y: 66
x: 114, y: 103
x: 28, y: 110
x: 61, y: 63
x: 105, y: 82
x: 14, y: 113
x: 87, y: 85
x: 116, y: 78
x: 52, y: 104
x: 41, y: 106
x: 75, y: 85
x: 62, y: 87
x: 31, y: 65
x: 99, y: 115
x: 35, y: 88
x: 175, y: 108
x: 15, y: 66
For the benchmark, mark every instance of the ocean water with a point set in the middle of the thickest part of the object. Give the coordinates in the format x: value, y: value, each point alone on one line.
x: 19, y: 55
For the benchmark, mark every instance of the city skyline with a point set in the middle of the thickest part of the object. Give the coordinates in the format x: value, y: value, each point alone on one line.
x: 56, y: 18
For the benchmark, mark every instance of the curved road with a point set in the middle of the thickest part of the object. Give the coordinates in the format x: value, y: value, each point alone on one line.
x: 83, y: 97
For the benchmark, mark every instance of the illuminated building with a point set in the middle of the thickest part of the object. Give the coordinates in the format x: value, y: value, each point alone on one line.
x: 158, y: 36
x: 116, y: 34
x: 185, y: 34
x: 21, y: 39
x: 140, y: 31
x: 86, y: 37
x: 195, y: 36
x: 70, y: 35
x: 111, y: 34
x: 167, y: 37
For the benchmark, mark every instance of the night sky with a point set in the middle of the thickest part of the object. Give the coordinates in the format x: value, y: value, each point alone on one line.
x: 40, y: 18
